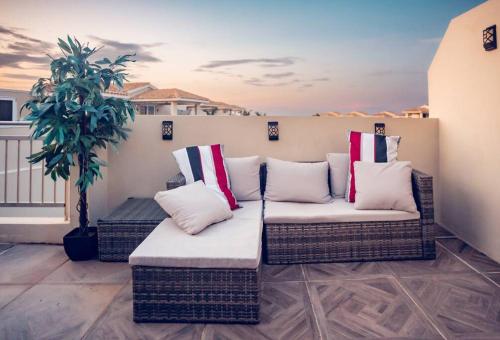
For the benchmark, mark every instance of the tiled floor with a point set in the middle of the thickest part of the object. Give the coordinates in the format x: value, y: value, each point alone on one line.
x: 45, y: 296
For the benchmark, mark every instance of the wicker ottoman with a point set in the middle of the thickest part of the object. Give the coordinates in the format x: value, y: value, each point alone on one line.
x: 126, y: 227
x: 212, y: 277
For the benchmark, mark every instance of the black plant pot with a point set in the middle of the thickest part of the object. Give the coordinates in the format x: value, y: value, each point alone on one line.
x: 80, y: 247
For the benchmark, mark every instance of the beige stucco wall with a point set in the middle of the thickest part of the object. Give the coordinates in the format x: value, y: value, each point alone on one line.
x: 464, y: 93
x: 144, y: 163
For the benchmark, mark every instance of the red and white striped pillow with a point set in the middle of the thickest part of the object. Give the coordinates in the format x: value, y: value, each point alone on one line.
x: 206, y: 163
x: 368, y: 147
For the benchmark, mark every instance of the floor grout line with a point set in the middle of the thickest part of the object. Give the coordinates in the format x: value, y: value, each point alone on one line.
x: 34, y: 284
x: 310, y: 302
x: 108, y: 306
x: 477, y: 271
x: 6, y: 250
x: 420, y: 308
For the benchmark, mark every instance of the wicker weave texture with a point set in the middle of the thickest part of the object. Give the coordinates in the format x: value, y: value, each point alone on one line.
x: 196, y: 295
x: 176, y: 181
x: 366, y: 241
x: 126, y: 227
x: 424, y: 198
x: 342, y: 242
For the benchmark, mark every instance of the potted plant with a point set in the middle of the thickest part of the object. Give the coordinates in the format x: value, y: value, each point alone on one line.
x: 70, y: 113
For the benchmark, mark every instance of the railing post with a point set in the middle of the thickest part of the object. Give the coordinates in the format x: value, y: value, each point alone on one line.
x: 18, y: 167
x: 5, y: 174
x: 31, y: 172
x: 43, y: 180
x: 66, y: 200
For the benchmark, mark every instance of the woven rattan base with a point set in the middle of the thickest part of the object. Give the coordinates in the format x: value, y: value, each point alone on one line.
x: 196, y: 295
x: 341, y: 242
x: 126, y: 227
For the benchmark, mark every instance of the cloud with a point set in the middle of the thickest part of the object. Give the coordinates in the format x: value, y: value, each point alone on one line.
x: 20, y: 48
x: 262, y: 62
x: 15, y: 34
x: 260, y: 82
x: 114, y: 48
x: 14, y: 59
x: 279, y: 75
x: 19, y: 76
x: 305, y: 86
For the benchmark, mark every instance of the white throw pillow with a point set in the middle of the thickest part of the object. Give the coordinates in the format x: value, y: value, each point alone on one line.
x: 244, y: 177
x: 206, y: 163
x: 193, y: 207
x: 384, y: 186
x: 368, y: 147
x: 339, y: 171
x: 297, y: 182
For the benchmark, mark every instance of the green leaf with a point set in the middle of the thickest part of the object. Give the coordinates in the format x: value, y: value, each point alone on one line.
x: 62, y: 44
x: 93, y: 123
x: 103, y: 61
x: 54, y: 160
x: 60, y: 136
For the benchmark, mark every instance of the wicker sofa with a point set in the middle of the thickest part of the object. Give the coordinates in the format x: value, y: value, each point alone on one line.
x: 330, y: 238
x: 205, y: 278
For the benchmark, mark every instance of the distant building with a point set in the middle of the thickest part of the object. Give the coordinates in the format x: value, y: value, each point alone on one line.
x: 417, y: 112
x: 150, y: 100
x: 147, y: 98
x: 214, y: 108
x: 11, y: 102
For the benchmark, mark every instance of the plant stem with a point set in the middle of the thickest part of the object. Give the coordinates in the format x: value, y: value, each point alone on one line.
x: 83, y: 164
x: 82, y: 203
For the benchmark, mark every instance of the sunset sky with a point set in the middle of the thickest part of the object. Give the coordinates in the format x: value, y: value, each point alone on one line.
x: 278, y: 57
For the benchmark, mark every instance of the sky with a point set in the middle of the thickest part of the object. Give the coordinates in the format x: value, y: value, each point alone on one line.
x: 278, y: 57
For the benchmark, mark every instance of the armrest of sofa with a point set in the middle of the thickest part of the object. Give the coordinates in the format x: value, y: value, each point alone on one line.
x: 176, y: 181
x: 424, y: 198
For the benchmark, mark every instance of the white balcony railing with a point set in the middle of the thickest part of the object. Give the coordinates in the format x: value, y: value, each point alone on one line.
x: 24, y: 185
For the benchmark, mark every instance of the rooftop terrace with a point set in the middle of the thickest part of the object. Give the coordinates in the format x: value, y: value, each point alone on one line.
x: 43, y: 295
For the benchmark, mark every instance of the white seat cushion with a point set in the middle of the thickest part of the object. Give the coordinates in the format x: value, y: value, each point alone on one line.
x: 337, y: 211
x: 234, y: 243
x: 249, y: 209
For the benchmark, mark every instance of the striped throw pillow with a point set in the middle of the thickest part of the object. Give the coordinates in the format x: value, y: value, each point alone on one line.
x: 368, y: 147
x: 206, y: 163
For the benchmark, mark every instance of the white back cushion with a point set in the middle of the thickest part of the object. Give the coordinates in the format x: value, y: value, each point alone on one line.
x: 339, y: 171
x: 244, y: 177
x: 297, y: 182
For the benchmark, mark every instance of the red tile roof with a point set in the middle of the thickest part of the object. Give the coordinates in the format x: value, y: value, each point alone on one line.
x: 168, y: 94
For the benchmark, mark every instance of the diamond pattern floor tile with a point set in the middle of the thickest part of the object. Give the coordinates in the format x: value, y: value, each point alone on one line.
x: 367, y: 308
x: 462, y: 305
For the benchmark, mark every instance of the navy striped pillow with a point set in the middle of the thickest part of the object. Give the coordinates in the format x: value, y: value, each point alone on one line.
x: 368, y: 147
x: 206, y: 163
